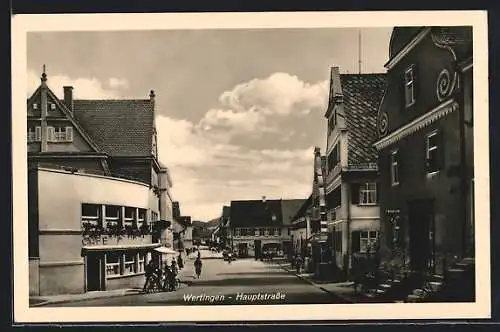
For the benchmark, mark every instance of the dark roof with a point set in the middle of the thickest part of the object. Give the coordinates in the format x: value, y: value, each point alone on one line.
x: 400, y: 37
x: 303, y: 209
x: 254, y: 213
x: 184, y: 220
x: 289, y: 208
x: 362, y: 95
x: 118, y: 127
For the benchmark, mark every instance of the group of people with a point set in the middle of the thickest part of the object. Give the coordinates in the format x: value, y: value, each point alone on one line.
x: 166, y: 279
x: 163, y: 279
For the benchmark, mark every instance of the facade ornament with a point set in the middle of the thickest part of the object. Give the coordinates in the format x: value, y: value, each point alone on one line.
x: 383, y: 124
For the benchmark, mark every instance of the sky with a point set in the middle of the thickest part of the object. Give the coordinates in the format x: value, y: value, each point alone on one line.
x: 238, y: 112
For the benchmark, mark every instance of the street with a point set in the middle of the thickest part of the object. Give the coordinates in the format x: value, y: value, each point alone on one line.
x: 244, y: 282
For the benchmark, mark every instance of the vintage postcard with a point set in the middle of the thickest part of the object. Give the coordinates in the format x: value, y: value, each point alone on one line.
x: 250, y: 167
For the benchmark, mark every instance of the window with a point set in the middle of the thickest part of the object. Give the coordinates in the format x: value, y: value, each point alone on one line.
x: 112, y: 264
x: 59, y: 134
x: 395, y: 167
x: 129, y: 216
x: 35, y: 106
x: 52, y: 106
x: 236, y: 232
x: 129, y: 263
x: 154, y: 216
x: 366, y: 239
x: 112, y: 214
x: 141, y: 216
x: 334, y: 157
x: 368, y: 193
x: 34, y: 134
x: 410, y: 86
x: 266, y: 231
x: 433, y: 163
x: 256, y: 232
x: 91, y: 214
x: 140, y: 262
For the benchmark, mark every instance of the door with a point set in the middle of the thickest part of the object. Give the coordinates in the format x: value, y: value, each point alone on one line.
x: 421, y: 229
x: 95, y: 273
x: 258, y: 248
x: 242, y: 250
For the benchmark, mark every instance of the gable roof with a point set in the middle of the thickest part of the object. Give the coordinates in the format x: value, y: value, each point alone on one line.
x: 362, y: 94
x: 253, y: 213
x: 69, y: 115
x: 121, y: 128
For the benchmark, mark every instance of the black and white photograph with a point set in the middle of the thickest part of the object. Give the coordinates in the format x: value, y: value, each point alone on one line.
x: 246, y: 166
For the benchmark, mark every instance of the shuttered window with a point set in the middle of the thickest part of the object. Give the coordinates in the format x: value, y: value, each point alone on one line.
x: 59, y: 134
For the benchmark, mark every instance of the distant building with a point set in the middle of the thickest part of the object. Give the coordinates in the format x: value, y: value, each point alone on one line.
x: 425, y: 145
x: 182, y: 229
x: 256, y: 225
x: 352, y: 172
x: 96, y: 189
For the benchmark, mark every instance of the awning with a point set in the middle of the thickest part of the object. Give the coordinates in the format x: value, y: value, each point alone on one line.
x: 121, y: 247
x: 166, y: 250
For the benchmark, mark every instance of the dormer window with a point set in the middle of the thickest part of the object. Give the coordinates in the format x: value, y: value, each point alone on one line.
x: 52, y: 106
x: 60, y: 134
x: 409, y: 86
x: 35, y: 106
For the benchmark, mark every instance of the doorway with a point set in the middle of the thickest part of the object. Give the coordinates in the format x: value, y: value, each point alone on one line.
x: 421, y: 229
x: 258, y: 248
x: 242, y: 250
x: 95, y: 272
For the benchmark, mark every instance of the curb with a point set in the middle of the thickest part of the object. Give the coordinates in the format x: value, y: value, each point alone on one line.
x: 312, y: 283
x: 135, y: 292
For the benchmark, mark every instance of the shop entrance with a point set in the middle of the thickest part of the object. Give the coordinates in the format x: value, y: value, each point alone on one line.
x: 94, y: 272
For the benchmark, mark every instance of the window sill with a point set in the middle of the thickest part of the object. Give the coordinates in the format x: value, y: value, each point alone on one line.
x: 60, y: 142
x: 395, y: 184
x: 368, y: 204
x: 119, y: 276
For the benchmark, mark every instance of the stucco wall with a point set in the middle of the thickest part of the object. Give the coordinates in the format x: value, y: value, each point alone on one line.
x: 60, y: 195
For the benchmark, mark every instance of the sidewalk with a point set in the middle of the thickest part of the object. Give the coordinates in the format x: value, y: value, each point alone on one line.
x: 342, y: 290
x: 185, y: 276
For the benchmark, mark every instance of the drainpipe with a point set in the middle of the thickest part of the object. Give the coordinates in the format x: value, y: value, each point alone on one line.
x: 460, y: 96
x: 349, y: 239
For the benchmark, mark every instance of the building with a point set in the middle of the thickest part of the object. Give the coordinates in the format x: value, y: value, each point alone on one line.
x: 96, y: 189
x: 425, y: 146
x: 352, y: 172
x: 257, y: 225
x: 182, y: 229
x: 309, y: 235
x: 224, y: 229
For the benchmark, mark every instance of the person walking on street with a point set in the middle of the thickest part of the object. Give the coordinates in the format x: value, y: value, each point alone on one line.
x: 197, y: 266
x: 180, y: 263
x: 298, y: 264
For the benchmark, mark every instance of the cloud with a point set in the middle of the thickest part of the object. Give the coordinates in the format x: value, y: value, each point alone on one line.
x: 117, y: 83
x: 278, y: 94
x: 208, y: 173
x: 84, y: 88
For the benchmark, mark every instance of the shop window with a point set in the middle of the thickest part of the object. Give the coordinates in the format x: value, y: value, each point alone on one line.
x: 363, y: 240
x: 141, y: 262
x: 129, y: 263
x: 113, y: 264
x: 91, y: 214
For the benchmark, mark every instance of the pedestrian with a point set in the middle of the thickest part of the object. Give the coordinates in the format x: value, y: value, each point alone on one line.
x: 298, y: 264
x: 197, y: 266
x: 180, y: 263
x: 173, y: 266
x: 199, y: 254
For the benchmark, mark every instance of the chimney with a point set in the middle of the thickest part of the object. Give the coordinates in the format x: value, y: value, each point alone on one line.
x: 263, y: 199
x: 68, y: 97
